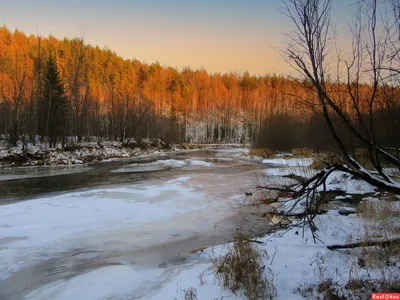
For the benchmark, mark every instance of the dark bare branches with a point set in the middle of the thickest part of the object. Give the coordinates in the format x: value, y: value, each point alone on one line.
x: 366, y: 80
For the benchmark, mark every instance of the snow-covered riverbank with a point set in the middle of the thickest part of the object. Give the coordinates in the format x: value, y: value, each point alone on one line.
x: 85, y: 152
x: 89, y: 152
x: 151, y: 225
x: 300, y: 267
x: 138, y: 241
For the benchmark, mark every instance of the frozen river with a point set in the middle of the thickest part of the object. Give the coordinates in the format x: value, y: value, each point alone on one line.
x: 119, y: 229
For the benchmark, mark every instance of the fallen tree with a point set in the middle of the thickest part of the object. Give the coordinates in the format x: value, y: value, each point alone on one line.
x: 384, y: 243
x: 366, y: 81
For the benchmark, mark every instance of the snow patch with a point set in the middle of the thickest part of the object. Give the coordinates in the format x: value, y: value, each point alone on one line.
x: 171, y: 162
x: 340, y: 181
x: 195, y: 162
x: 304, y: 172
x: 292, y: 162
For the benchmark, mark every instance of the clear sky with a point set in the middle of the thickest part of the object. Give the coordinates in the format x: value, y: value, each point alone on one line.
x: 218, y: 35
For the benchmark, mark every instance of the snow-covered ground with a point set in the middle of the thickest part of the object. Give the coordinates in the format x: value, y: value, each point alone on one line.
x: 301, y: 171
x: 293, y: 257
x: 124, y: 220
x: 291, y: 162
x: 91, y: 151
x: 295, y: 261
x: 79, y: 153
x: 120, y: 221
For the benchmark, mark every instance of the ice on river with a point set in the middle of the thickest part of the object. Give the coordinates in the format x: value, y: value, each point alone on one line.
x: 43, y: 222
x: 32, y: 230
x: 30, y: 172
x: 120, y: 221
x: 131, y: 282
x: 161, y: 165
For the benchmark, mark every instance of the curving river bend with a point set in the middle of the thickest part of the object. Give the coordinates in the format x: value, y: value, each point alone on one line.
x: 149, y: 213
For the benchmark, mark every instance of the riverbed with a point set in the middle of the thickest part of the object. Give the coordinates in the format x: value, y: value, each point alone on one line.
x: 148, y: 215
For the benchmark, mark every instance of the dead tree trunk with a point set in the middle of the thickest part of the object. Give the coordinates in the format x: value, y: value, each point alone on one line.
x: 383, y: 244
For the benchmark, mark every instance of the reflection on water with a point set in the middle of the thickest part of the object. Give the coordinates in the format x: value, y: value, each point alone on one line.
x: 18, y: 184
x: 40, y: 171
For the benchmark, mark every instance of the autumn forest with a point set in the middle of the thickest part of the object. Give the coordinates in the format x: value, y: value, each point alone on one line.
x: 107, y: 96
x: 67, y: 89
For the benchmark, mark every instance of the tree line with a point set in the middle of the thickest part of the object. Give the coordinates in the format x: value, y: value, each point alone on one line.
x: 66, y: 89
x: 103, y: 95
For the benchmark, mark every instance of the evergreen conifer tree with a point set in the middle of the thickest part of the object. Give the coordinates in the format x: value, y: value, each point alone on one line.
x: 54, y: 105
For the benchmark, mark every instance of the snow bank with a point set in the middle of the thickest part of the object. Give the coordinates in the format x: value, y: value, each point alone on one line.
x: 189, y: 278
x: 293, y: 255
x: 336, y: 181
x: 278, y: 181
x: 304, y: 172
x: 340, y: 181
x: 295, y: 260
x: 83, y: 152
x: 294, y: 263
x: 292, y: 162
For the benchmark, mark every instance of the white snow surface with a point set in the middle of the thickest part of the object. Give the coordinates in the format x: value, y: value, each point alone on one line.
x: 196, y: 162
x: 161, y: 165
x: 85, y: 152
x: 56, y: 221
x: 294, y: 264
x: 59, y: 220
x: 336, y: 181
x: 32, y: 231
x: 292, y: 162
x: 171, y: 162
x: 286, y: 171
x: 344, y: 182
x: 293, y: 258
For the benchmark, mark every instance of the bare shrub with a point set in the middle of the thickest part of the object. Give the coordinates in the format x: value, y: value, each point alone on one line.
x: 380, y: 222
x: 191, y: 294
x: 303, y: 152
x: 242, y: 269
x: 262, y: 152
x: 201, y: 278
x: 358, y: 288
x: 324, y: 290
x: 373, y: 267
x: 186, y: 294
x: 373, y: 270
x: 322, y: 160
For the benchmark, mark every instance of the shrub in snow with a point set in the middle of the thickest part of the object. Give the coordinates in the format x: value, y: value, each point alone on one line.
x: 242, y: 270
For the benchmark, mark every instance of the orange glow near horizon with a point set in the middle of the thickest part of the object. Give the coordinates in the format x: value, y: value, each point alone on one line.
x: 220, y: 36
